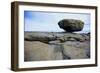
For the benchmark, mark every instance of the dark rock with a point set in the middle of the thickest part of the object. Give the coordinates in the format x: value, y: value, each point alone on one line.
x: 71, y: 25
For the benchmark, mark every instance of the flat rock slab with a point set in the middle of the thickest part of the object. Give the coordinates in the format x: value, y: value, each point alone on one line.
x: 38, y: 51
x: 46, y: 37
x: 43, y: 46
x: 76, y: 50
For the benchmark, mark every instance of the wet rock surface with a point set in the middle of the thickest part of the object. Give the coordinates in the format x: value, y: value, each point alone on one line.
x: 40, y: 46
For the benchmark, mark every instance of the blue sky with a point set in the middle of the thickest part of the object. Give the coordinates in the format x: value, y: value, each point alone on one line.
x: 48, y: 21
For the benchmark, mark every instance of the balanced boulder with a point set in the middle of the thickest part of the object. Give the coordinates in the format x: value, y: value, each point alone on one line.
x: 71, y: 25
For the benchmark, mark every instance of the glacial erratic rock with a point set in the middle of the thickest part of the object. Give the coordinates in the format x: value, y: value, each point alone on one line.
x: 71, y: 25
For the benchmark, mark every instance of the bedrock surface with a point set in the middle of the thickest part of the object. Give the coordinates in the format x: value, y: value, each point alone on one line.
x: 40, y: 46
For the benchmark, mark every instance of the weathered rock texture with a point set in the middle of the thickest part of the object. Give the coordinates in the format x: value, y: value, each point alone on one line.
x: 36, y: 51
x: 40, y: 46
x: 71, y: 25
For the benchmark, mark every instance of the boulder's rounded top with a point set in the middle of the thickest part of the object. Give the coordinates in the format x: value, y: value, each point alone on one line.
x: 71, y: 25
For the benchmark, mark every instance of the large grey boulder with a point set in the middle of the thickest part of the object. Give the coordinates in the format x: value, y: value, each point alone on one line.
x: 71, y: 25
